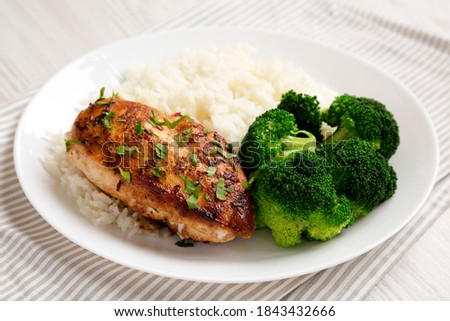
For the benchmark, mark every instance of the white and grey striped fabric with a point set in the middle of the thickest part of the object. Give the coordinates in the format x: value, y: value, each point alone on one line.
x: 37, y: 263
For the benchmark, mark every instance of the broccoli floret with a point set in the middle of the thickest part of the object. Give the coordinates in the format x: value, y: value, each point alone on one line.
x: 296, y: 199
x: 365, y: 118
x: 306, y: 111
x: 273, y: 135
x: 361, y: 174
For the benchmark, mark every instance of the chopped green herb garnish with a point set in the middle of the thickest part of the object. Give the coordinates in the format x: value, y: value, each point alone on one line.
x: 175, y: 123
x: 184, y: 244
x: 194, y: 158
x: 216, y: 143
x: 192, y: 200
x: 138, y: 128
x: 114, y: 95
x: 220, y: 192
x: 211, y: 171
x: 70, y: 141
x: 126, y: 175
x: 222, y: 152
x: 228, y: 189
x: 158, y: 171
x: 122, y: 150
x: 102, y: 94
x: 190, y: 186
x: 248, y: 185
x: 151, y: 122
x: 156, y: 119
x: 206, y: 132
x: 161, y: 150
x: 106, y: 119
x: 193, y: 189
x: 207, y: 198
x: 121, y: 120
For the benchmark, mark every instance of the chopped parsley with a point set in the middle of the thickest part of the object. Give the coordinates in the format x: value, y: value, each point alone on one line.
x: 207, y: 198
x: 122, y: 150
x: 101, y: 97
x: 192, y: 188
x: 158, y: 171
x: 221, y: 189
x: 194, y: 158
x: 161, y: 150
x: 71, y: 141
x: 222, y: 152
x: 192, y: 200
x: 102, y: 94
x: 106, y: 119
x: 155, y: 121
x: 175, y: 123
x: 126, y: 175
x: 183, y: 243
x: 138, y: 128
x: 211, y: 171
x: 220, y: 192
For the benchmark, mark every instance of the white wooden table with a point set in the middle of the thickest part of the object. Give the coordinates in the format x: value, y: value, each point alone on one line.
x: 37, y: 38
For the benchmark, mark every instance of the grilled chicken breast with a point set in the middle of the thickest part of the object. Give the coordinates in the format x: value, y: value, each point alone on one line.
x: 169, y: 169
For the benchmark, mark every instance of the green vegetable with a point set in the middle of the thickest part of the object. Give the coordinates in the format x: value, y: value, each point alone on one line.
x: 220, y: 190
x: 122, y: 150
x: 161, y: 150
x: 296, y: 199
x: 211, y: 171
x: 102, y: 94
x: 365, y: 118
x: 126, y: 175
x: 71, y: 141
x: 193, y: 199
x: 183, y: 243
x: 158, y: 171
x: 273, y: 135
x: 361, y: 174
x: 138, y: 128
x: 193, y: 157
x: 106, y: 119
x: 306, y: 111
x: 193, y: 189
x: 224, y: 153
x: 156, y: 121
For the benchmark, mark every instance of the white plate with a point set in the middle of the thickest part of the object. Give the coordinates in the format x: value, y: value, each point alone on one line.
x: 257, y: 259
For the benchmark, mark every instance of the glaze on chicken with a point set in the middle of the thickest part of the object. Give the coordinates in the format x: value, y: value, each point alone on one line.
x: 167, y: 168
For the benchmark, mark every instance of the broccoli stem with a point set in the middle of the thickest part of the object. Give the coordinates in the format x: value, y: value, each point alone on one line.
x: 293, y: 144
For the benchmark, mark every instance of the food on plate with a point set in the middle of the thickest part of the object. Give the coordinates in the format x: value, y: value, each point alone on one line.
x: 314, y: 193
x: 167, y: 168
x: 273, y: 135
x: 315, y: 161
x: 296, y: 199
x: 365, y: 118
x: 306, y: 111
x: 360, y: 173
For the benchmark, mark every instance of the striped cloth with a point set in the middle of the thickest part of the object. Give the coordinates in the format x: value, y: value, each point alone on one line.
x: 38, y: 263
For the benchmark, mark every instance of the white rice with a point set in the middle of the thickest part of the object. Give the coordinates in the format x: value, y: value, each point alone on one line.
x: 223, y: 88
